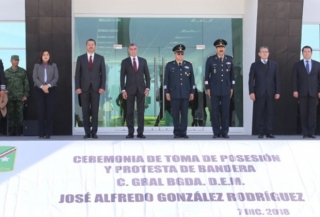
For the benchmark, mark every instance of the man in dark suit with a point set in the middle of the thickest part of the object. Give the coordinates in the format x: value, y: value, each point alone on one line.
x: 219, y: 82
x: 135, y: 84
x: 90, y: 81
x: 264, y: 87
x: 179, y: 87
x: 306, y: 88
x: 2, y: 79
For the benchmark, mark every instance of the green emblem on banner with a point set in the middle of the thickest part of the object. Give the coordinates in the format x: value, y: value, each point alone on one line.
x: 7, y: 158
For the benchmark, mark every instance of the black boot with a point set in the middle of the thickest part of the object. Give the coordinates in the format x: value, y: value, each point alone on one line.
x: 12, y: 131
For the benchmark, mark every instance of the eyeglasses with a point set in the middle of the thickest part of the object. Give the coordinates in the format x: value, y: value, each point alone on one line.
x: 180, y: 53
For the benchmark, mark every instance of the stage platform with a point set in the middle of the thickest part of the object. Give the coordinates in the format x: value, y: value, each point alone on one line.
x: 153, y: 137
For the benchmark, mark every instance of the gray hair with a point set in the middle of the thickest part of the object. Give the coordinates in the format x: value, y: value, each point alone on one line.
x: 263, y: 47
x: 132, y: 44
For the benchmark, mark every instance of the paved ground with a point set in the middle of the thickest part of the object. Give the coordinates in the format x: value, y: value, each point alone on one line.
x: 153, y: 137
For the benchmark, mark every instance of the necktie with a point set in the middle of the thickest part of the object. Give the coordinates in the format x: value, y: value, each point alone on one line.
x: 135, y: 65
x: 180, y: 65
x: 221, y: 59
x: 90, y: 62
x: 308, y: 67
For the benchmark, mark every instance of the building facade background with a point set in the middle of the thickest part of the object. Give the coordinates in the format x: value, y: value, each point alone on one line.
x: 283, y: 25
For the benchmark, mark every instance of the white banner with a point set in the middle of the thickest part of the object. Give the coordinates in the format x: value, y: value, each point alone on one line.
x: 181, y: 178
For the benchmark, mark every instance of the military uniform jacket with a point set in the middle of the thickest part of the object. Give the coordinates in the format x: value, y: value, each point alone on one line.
x: 17, y: 83
x: 179, y: 82
x: 219, y: 75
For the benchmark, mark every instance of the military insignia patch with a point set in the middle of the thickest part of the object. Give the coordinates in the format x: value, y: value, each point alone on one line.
x: 187, y: 67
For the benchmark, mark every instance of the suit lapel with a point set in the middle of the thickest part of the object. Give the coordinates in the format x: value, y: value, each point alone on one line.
x: 312, y: 66
x: 85, y: 59
x: 139, y: 63
x: 304, y: 67
x: 261, y: 65
x: 130, y: 63
x: 269, y: 66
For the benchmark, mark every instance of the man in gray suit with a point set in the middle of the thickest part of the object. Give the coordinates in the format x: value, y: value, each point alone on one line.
x: 90, y: 81
x: 135, y: 83
x: 2, y: 79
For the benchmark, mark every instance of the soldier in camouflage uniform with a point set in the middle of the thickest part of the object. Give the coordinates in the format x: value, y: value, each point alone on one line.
x: 18, y: 91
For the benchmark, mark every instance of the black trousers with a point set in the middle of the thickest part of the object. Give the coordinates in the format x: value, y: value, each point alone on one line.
x: 308, y: 114
x: 45, y: 109
x: 216, y: 116
x: 90, y: 107
x: 180, y: 116
x: 140, y: 97
x: 264, y: 111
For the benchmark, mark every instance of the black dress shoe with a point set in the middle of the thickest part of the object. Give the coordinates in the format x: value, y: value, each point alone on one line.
x: 226, y: 136
x: 216, y: 136
x: 41, y: 137
x: 270, y: 136
x: 47, y: 137
x: 176, y: 136
x: 141, y: 136
x: 260, y: 136
x: 312, y: 136
x: 129, y: 136
x: 305, y: 137
x: 185, y: 136
x: 94, y: 136
x: 87, y: 136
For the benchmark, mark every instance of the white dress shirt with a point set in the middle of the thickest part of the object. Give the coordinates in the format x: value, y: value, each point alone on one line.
x: 310, y: 64
x: 89, y: 57
x: 264, y: 61
x: 137, y: 62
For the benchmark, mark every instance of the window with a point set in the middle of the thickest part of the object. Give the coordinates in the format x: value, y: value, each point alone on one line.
x: 12, y: 42
x: 155, y: 38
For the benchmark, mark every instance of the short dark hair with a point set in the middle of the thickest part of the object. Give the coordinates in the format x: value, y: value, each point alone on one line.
x: 90, y: 39
x: 41, y: 54
x: 306, y: 47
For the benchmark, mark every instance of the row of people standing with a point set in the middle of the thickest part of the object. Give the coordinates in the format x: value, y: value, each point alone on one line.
x: 15, y: 86
x: 264, y: 88
x: 179, y: 88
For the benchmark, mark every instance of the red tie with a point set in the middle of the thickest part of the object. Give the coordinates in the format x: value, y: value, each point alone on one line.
x: 90, y: 62
x: 135, y: 65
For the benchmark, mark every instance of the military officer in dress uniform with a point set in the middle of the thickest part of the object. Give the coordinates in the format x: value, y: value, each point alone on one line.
x: 219, y: 82
x: 179, y: 88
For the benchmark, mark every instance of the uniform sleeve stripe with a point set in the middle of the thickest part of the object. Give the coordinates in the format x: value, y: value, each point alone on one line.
x: 206, y: 82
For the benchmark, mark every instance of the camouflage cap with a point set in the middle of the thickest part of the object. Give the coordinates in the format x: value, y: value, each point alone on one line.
x: 14, y: 57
